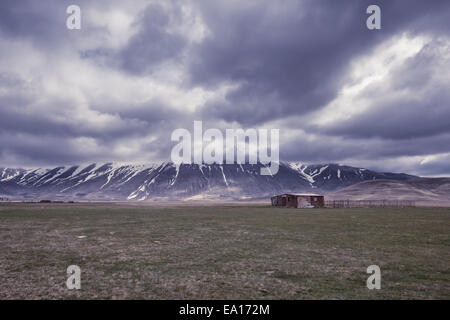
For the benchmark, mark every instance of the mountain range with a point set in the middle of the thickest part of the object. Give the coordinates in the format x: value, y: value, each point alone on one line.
x: 419, y: 189
x: 169, y: 181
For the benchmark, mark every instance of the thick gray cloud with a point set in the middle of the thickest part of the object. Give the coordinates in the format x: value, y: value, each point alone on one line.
x: 154, y: 44
x: 422, y: 111
x: 37, y: 21
x: 116, y: 89
x: 292, y: 57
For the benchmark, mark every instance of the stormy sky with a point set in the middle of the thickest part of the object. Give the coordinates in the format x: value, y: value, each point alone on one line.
x: 137, y: 70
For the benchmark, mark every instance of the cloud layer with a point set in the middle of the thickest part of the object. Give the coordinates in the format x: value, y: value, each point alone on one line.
x: 116, y: 89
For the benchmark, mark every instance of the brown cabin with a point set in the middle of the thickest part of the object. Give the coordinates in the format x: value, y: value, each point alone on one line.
x: 298, y: 201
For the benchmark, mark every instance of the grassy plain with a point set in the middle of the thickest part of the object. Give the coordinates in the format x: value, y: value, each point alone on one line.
x: 222, y: 252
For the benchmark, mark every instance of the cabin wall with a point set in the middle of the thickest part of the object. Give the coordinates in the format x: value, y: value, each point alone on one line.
x: 303, y: 202
x: 317, y: 201
x: 291, y: 201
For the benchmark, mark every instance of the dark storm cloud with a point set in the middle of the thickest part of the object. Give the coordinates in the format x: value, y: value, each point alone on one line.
x: 283, y: 58
x: 13, y: 120
x: 436, y: 167
x: 400, y: 119
x: 20, y: 102
x: 153, y: 44
x: 43, y: 23
x: 375, y: 154
x: 335, y: 149
x: 292, y: 57
x: 30, y: 137
x: 44, y: 150
x: 151, y: 112
x: 36, y: 20
x: 423, y: 111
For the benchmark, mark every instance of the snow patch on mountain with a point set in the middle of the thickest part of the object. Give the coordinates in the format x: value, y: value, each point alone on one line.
x: 300, y: 168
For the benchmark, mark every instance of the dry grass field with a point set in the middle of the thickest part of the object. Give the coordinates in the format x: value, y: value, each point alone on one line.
x: 222, y: 252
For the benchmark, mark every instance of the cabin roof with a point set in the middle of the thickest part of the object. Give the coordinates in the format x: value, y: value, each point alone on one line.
x: 301, y: 194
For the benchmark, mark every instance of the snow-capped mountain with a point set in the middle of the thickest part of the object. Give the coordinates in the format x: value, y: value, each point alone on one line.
x: 170, y: 181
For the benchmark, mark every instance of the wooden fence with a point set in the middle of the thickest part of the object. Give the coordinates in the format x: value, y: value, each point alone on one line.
x: 369, y: 203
